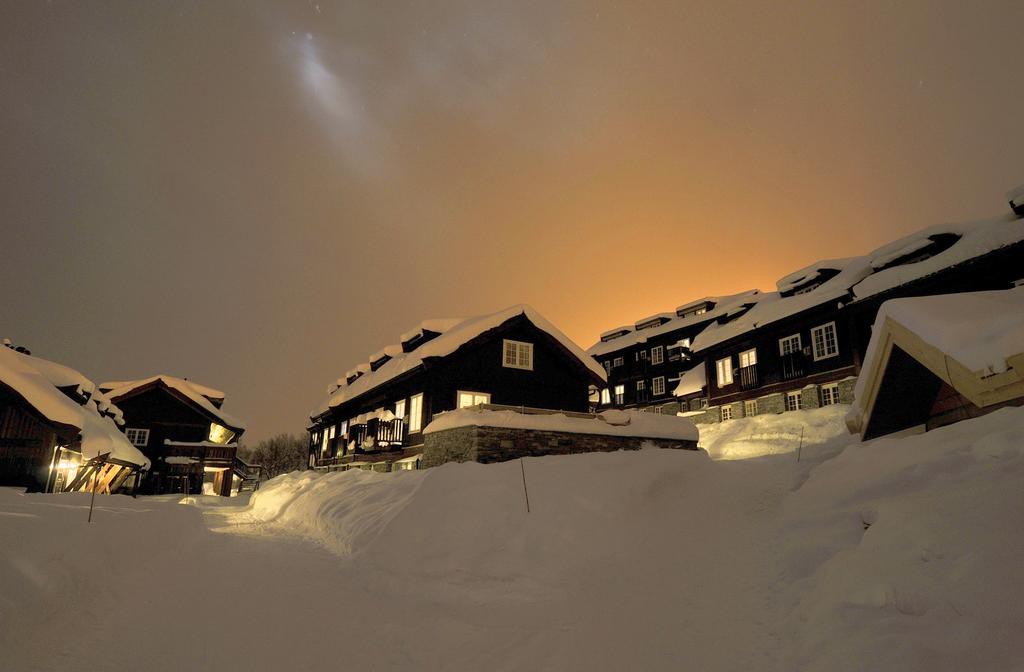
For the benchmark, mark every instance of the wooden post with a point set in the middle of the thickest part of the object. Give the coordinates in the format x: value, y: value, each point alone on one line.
x: 95, y: 482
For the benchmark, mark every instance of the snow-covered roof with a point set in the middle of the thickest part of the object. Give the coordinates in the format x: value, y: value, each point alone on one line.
x: 724, y: 305
x: 692, y: 381
x: 436, y: 325
x: 981, y: 330
x: 866, y: 276
x: 37, y: 381
x: 200, y: 395
x: 455, y: 334
x: 808, y: 274
x: 610, y: 423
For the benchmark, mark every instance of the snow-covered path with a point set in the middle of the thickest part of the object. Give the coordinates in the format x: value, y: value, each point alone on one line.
x: 657, y: 560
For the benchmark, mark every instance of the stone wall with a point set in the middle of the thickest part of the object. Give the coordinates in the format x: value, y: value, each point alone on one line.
x: 810, y: 398
x: 497, y: 444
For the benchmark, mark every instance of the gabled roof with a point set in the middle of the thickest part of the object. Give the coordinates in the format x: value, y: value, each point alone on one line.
x: 201, y: 396
x: 39, y: 382
x: 455, y: 334
x: 974, y: 342
x: 863, y: 277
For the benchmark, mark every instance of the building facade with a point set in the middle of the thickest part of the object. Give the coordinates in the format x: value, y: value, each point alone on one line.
x: 377, y: 413
x: 180, y: 426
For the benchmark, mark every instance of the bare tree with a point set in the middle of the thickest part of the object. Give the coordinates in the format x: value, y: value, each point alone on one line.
x: 279, y: 454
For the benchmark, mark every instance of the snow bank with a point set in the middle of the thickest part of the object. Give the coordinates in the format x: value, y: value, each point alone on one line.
x: 609, y: 423
x: 817, y: 433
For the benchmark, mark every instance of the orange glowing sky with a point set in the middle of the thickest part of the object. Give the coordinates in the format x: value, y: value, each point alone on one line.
x: 259, y: 195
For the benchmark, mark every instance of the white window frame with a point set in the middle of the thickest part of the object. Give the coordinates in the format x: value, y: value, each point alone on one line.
x: 620, y: 394
x: 723, y: 368
x: 831, y: 391
x: 606, y: 397
x: 474, y: 398
x: 657, y: 354
x: 703, y: 403
x: 641, y: 385
x: 139, y: 434
x: 617, y: 362
x: 517, y: 355
x: 658, y: 385
x: 416, y: 413
x: 748, y: 356
x: 726, y: 413
x: 789, y: 340
x: 824, y: 329
x: 798, y: 401
x: 749, y: 408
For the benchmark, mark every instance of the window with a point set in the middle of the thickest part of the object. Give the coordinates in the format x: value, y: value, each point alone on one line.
x: 823, y: 339
x: 518, y: 355
x: 333, y: 432
x: 324, y: 439
x: 618, y: 362
x: 606, y: 397
x: 137, y: 437
x: 657, y: 355
x: 659, y: 385
x: 640, y: 385
x: 724, y: 369
x: 416, y: 413
x: 220, y: 434
x: 641, y: 354
x: 620, y: 394
x: 704, y: 403
x: 660, y: 410
x: 344, y: 428
x: 607, y: 366
x: 400, y: 409
x: 750, y: 408
x: 789, y: 344
x: 726, y: 413
x: 748, y: 358
x: 467, y: 399
x: 793, y: 401
x: 830, y: 394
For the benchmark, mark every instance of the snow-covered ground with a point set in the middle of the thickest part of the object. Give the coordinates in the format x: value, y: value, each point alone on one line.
x: 898, y: 554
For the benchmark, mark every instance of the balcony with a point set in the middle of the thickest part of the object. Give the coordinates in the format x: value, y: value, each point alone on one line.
x: 748, y: 377
x: 792, y: 365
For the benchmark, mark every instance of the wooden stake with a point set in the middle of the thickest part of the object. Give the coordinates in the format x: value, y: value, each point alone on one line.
x: 526, y: 493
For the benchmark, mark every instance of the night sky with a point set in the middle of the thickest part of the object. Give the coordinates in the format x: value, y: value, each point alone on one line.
x: 259, y: 195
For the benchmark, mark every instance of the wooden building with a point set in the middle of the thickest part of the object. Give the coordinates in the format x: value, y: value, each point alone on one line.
x: 940, y: 359
x: 182, y: 428
x: 803, y: 345
x: 58, y: 433
x: 377, y: 412
x: 645, y: 361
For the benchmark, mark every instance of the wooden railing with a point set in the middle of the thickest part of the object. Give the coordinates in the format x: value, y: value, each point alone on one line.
x: 748, y: 377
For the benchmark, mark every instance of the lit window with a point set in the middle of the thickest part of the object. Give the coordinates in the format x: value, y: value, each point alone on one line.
x: 325, y: 437
x: 344, y: 428
x: 724, y: 370
x: 620, y: 394
x: 793, y: 401
x: 467, y: 399
x: 657, y: 355
x: 658, y: 385
x: 823, y: 339
x: 789, y: 344
x: 618, y: 362
x: 518, y: 355
x: 416, y: 413
x: 830, y: 394
x: 748, y: 358
x: 400, y: 409
x: 726, y: 412
x: 137, y: 437
x: 220, y: 434
x: 606, y: 397
x: 750, y: 408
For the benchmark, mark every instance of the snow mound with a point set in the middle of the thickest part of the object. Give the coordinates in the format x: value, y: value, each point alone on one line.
x: 820, y: 432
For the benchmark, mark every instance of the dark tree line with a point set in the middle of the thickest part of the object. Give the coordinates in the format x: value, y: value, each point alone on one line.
x: 278, y: 455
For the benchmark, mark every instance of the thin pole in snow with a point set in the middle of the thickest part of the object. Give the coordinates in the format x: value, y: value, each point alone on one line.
x: 526, y: 493
x: 95, y: 481
x: 800, y: 447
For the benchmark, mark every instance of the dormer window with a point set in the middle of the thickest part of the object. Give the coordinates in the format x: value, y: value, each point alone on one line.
x: 518, y: 355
